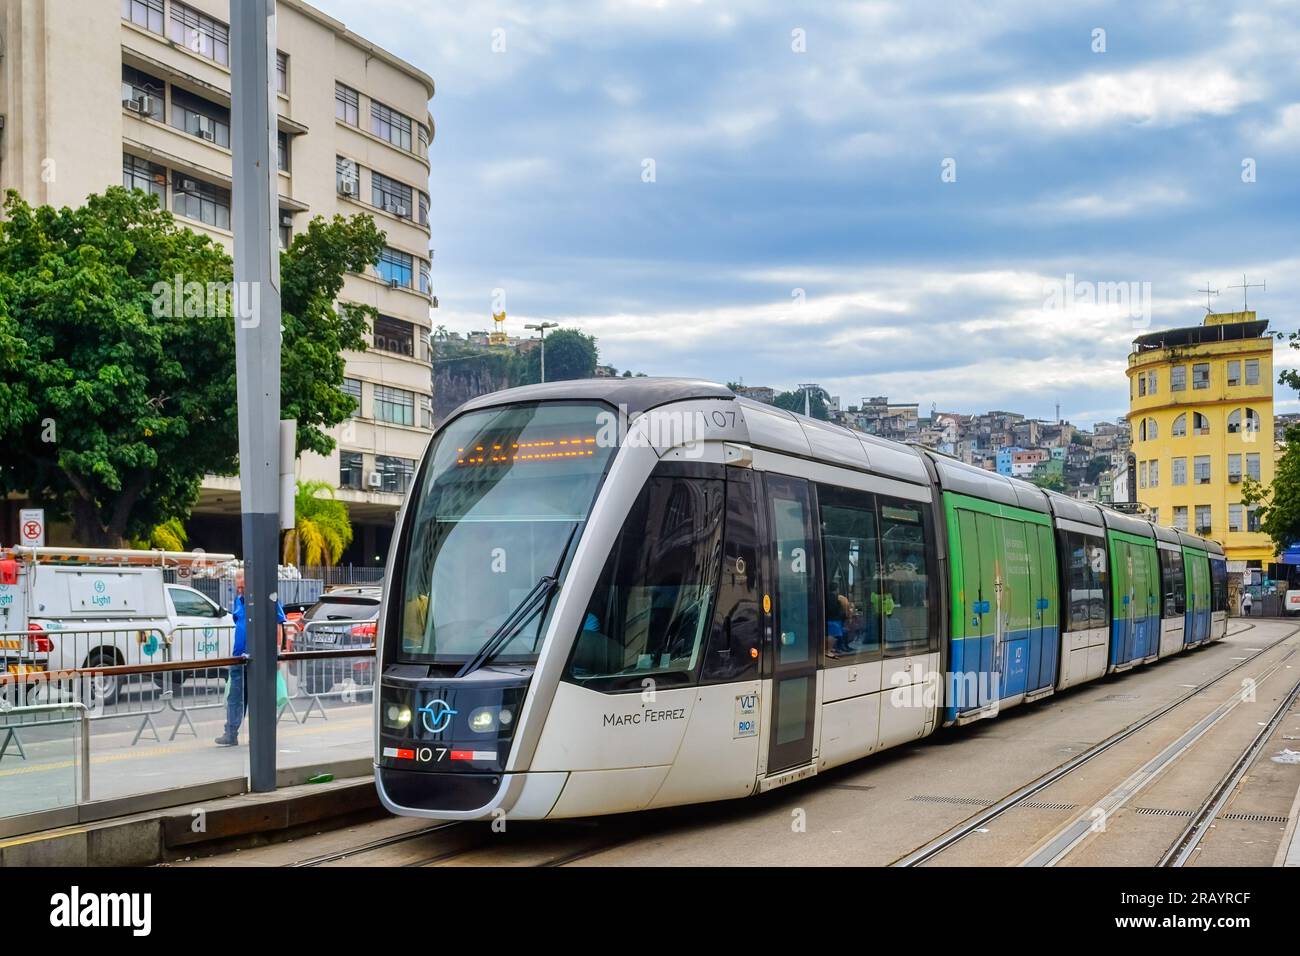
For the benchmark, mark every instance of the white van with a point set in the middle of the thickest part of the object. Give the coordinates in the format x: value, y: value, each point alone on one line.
x: 60, y: 616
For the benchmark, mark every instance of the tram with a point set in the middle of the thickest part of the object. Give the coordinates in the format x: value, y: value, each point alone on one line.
x: 612, y: 595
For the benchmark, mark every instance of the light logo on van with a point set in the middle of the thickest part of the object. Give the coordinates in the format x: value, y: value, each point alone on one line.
x: 101, y: 598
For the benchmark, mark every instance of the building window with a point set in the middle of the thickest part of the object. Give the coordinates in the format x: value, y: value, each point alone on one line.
x: 394, y: 335
x: 395, y: 266
x: 390, y: 195
x: 142, y: 93
x: 1234, y: 376
x: 1234, y: 421
x: 1252, y: 517
x: 1201, y: 469
x: 352, y: 388
x: 1178, y: 378
x: 282, y: 151
x: 422, y: 132
x: 281, y: 72
x: 1234, y: 467
x: 1200, y: 424
x: 424, y: 208
x: 1155, y: 473
x: 351, y: 468
x: 1142, y: 474
x: 346, y: 102
x: 1234, y: 517
x: 394, y: 405
x: 426, y: 412
x: 426, y: 284
x: 195, y: 199
x: 286, y: 228
x: 347, y: 178
x: 145, y: 176
x: 1142, y: 384
x: 1180, y: 517
x: 1203, y: 523
x: 1252, y: 371
x: 199, y: 33
x: 1153, y: 430
x: 144, y: 13
x: 395, y: 473
x: 1201, y: 375
x: 201, y: 118
x: 1152, y: 384
x: 1252, y: 421
x: 390, y: 125
x: 1180, y: 471
x: 1252, y: 465
x: 1179, y: 428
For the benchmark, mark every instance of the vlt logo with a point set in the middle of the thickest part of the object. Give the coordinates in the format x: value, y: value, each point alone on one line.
x: 436, y: 716
x: 101, y: 599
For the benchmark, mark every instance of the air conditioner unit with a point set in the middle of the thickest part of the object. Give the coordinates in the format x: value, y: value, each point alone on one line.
x: 209, y: 134
x: 376, y: 480
x: 394, y: 283
x: 189, y: 185
x: 135, y: 106
x: 347, y: 188
x: 286, y: 220
x: 400, y: 211
x: 1234, y: 479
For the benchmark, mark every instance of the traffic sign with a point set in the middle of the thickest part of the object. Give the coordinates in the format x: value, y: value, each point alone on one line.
x: 31, y: 527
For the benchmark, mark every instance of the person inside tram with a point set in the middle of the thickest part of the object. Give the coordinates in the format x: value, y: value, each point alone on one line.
x: 837, y: 616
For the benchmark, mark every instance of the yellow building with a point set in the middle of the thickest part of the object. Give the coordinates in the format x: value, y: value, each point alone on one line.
x: 1201, y: 412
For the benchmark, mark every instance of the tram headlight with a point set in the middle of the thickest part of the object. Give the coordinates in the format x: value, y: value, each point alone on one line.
x: 486, y: 719
x: 397, y: 716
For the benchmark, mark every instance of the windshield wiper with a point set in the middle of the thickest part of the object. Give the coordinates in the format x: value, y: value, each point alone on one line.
x: 522, y: 613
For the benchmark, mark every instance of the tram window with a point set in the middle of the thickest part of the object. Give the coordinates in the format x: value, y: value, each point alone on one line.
x: 735, y: 644
x: 1084, y: 577
x: 1175, y: 582
x: 905, y: 579
x: 653, y: 601
x: 852, y: 574
x: 1218, y: 585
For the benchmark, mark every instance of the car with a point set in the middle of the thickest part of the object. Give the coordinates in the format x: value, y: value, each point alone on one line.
x: 344, y: 617
x: 200, y: 628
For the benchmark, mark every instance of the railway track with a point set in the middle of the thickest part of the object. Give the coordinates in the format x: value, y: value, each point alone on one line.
x: 1054, y: 851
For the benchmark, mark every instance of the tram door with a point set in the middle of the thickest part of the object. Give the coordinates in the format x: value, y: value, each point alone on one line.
x: 794, y: 617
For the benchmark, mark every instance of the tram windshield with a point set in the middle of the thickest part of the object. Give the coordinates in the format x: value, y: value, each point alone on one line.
x: 505, y: 494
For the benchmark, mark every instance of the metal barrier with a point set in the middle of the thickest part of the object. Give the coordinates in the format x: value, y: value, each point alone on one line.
x: 330, y: 654
x: 11, y: 737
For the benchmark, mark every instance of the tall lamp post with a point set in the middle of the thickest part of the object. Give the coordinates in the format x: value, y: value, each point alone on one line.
x: 542, y: 327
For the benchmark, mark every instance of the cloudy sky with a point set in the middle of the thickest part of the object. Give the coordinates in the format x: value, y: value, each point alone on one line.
x: 972, y: 206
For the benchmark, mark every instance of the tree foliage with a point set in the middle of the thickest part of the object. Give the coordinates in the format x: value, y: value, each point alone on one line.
x: 570, y: 354
x: 322, y: 528
x: 1279, y: 503
x: 117, y: 396
x: 794, y: 402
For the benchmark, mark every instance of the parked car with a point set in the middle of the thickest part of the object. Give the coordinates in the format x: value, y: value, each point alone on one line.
x: 199, y: 628
x: 346, y: 617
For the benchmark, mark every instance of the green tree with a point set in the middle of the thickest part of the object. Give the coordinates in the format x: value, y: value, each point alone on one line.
x: 570, y: 354
x: 117, y: 395
x: 1048, y: 480
x: 322, y: 530
x: 168, y: 536
x: 1279, y: 502
x: 794, y: 402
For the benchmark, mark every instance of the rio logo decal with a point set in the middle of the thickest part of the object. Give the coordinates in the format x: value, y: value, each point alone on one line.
x: 436, y: 716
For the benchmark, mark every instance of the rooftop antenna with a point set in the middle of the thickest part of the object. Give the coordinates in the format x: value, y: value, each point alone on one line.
x: 1208, y: 292
x: 1243, y: 287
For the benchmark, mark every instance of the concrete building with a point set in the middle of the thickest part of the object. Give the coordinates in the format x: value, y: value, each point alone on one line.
x: 96, y: 93
x: 1201, y: 418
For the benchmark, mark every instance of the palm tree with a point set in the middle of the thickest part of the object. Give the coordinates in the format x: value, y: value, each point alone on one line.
x: 168, y: 536
x: 322, y: 528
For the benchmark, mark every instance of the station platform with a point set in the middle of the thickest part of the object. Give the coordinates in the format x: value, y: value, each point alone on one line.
x: 203, y: 825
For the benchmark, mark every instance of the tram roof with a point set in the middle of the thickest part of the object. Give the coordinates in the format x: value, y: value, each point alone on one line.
x: 959, y: 477
x: 1072, y: 509
x: 637, y: 395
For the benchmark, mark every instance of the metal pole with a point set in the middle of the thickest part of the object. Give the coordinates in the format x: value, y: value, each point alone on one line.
x: 84, y: 741
x: 257, y: 354
x: 543, y: 356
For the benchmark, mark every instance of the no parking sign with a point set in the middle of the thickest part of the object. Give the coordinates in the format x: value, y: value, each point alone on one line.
x: 31, y: 527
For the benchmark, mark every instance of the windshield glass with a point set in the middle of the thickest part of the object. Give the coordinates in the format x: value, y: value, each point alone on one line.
x: 356, y: 609
x: 504, y: 491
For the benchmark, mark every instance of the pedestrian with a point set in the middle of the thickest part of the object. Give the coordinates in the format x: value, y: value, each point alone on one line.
x: 236, y: 701
x: 1245, y: 603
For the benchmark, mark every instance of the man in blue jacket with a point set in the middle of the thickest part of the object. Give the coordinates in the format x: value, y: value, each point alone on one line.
x: 236, y: 703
